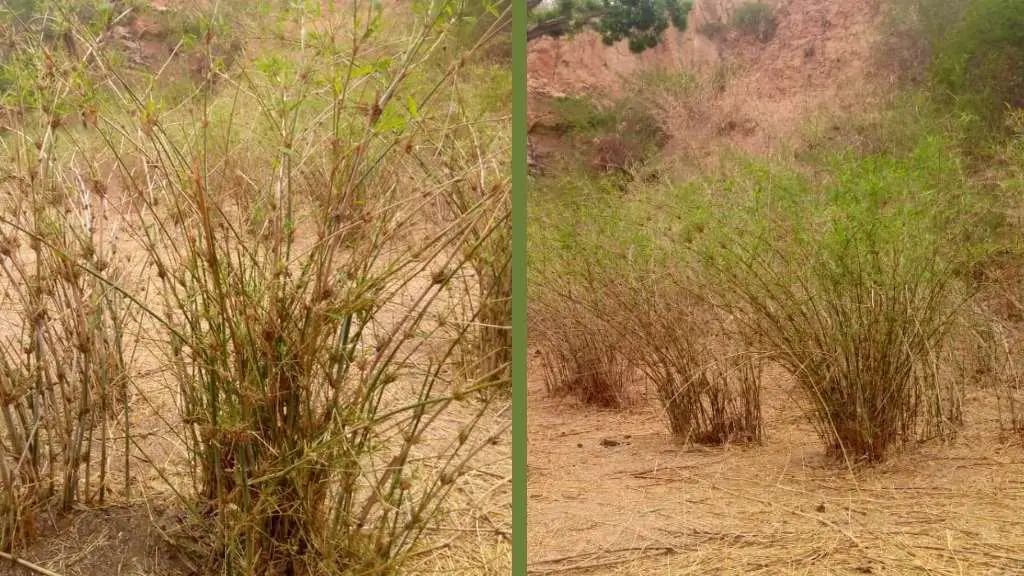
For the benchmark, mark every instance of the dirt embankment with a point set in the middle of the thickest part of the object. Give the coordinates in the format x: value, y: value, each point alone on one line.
x: 821, y: 56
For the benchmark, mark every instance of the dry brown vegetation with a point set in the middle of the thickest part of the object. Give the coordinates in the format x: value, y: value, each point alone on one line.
x: 256, y: 309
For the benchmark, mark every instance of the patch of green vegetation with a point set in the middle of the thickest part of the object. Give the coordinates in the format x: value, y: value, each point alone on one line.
x: 492, y: 87
x: 631, y: 127
x: 20, y: 8
x: 656, y: 85
x: 979, y: 63
x: 755, y: 18
x: 640, y: 22
x: 580, y: 114
x: 713, y: 30
x: 897, y: 225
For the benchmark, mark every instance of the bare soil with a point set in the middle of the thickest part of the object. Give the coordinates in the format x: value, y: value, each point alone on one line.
x: 117, y: 540
x: 611, y: 492
x: 823, y: 58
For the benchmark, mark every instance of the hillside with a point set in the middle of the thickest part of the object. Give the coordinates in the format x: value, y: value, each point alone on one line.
x: 822, y: 57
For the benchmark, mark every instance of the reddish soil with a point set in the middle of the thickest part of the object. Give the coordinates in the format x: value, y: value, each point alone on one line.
x: 823, y: 57
x: 611, y: 492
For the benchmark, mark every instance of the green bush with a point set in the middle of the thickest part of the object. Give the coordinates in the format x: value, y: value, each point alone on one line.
x: 851, y: 280
x: 580, y: 114
x: 757, y: 19
x: 980, y: 62
x: 626, y: 133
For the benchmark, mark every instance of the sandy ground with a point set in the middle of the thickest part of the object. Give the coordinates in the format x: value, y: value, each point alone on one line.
x: 611, y: 492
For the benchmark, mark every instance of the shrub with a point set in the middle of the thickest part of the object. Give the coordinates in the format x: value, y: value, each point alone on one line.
x: 708, y: 396
x: 756, y: 19
x: 64, y: 355
x: 617, y: 137
x: 574, y: 234
x: 605, y: 314
x: 853, y: 291
x: 980, y: 61
x: 582, y: 361
x: 911, y: 33
x: 302, y: 293
x: 580, y: 114
x: 859, y: 333
x: 713, y: 30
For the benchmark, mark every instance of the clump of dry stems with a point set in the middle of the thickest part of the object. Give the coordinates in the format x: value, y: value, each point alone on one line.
x: 582, y: 356
x: 709, y: 396
x: 860, y: 330
x: 582, y: 365
x: 296, y: 285
x: 63, y: 350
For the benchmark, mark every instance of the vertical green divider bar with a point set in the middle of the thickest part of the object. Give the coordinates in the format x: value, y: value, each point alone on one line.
x: 519, y: 288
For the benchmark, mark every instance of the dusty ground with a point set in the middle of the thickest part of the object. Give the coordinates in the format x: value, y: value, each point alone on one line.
x: 612, y: 493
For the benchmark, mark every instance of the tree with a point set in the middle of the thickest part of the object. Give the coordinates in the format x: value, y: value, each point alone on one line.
x: 640, y: 22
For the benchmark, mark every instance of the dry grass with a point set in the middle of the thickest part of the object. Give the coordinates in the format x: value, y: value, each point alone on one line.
x: 582, y: 361
x: 647, y: 506
x: 710, y: 392
x: 861, y: 334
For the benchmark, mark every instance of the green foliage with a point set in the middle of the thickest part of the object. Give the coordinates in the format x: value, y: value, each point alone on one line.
x: 19, y: 9
x: 493, y: 87
x: 849, y: 275
x: 640, y: 22
x: 980, y: 62
x: 882, y: 199
x: 658, y: 85
x: 579, y: 225
x: 756, y: 19
x: 632, y: 122
x: 850, y: 280
x: 581, y: 114
x: 474, y: 17
x: 935, y: 18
